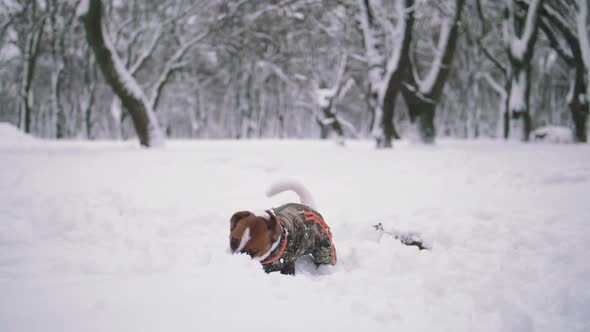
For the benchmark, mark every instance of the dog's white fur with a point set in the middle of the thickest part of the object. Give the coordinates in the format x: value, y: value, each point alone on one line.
x: 244, y: 240
x: 280, y: 186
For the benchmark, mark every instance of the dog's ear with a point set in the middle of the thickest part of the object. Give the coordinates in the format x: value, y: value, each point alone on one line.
x: 236, y: 218
x: 273, y: 226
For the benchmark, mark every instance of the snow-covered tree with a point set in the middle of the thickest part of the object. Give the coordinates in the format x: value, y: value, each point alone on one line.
x: 329, y: 120
x: 559, y: 25
x: 28, y: 20
x: 422, y: 94
x: 124, y: 85
x: 386, y: 45
x: 520, y: 35
x: 249, y: 69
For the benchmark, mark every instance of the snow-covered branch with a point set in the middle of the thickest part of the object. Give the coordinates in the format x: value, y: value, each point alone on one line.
x: 345, y: 88
x: 278, y: 71
x: 338, y: 85
x: 556, y: 43
x: 500, y: 90
x: 147, y: 52
x: 348, y: 126
x: 425, y: 86
x: 173, y: 64
x: 519, y: 45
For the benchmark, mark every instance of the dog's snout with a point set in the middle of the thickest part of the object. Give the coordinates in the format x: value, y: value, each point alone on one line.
x: 233, y: 244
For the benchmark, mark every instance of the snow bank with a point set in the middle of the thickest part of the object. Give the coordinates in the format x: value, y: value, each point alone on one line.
x: 115, y: 238
x: 11, y: 135
x: 553, y: 134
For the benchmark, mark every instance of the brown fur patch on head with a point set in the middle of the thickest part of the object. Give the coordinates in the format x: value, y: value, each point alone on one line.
x: 262, y: 233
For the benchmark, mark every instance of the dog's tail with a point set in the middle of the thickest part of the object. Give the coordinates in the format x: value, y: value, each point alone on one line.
x: 286, y: 185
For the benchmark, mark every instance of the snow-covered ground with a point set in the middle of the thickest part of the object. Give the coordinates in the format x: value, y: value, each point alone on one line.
x: 105, y: 236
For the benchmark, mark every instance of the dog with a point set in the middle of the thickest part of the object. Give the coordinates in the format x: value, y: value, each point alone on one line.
x: 278, y: 236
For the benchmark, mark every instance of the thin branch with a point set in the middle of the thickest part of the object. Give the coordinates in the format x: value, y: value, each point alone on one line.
x: 173, y: 64
x: 483, y: 33
x: 494, y: 85
x: 147, y: 52
x: 519, y: 45
x: 555, y: 44
x: 277, y: 71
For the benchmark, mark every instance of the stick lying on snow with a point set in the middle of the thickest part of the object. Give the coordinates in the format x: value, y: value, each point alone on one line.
x: 407, y: 238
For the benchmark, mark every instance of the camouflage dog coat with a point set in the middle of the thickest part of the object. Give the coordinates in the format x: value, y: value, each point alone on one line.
x: 304, y: 231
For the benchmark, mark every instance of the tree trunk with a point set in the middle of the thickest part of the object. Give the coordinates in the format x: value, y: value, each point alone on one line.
x: 506, y: 122
x: 373, y: 50
x: 31, y: 52
x: 579, y: 106
x: 395, y: 79
x: 60, y: 117
x: 387, y: 123
x: 579, y: 102
x: 422, y: 112
x: 580, y: 118
x: 281, y: 110
x: 88, y: 93
x: 119, y: 78
x: 58, y: 52
x: 87, y: 105
x: 329, y: 122
x: 245, y: 103
x: 519, y: 98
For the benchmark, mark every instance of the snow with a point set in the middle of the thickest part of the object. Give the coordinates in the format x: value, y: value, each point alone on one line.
x: 109, y: 237
x: 553, y: 134
x: 11, y: 135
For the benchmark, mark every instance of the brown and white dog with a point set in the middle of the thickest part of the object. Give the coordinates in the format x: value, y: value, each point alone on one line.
x: 278, y: 236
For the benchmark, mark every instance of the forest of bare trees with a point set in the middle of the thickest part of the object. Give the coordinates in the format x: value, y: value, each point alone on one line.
x: 379, y: 69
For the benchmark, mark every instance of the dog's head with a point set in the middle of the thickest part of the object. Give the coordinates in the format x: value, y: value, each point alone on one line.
x: 252, y: 234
